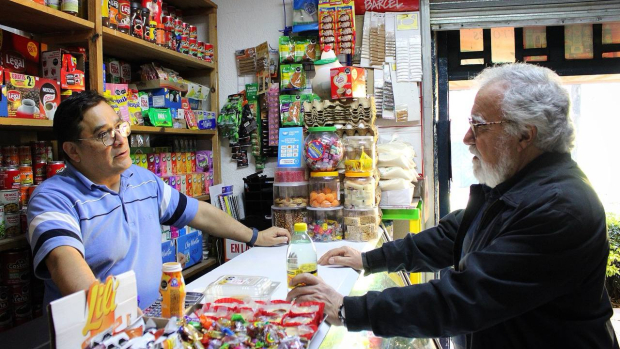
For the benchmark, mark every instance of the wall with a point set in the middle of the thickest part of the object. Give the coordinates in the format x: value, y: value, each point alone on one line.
x: 242, y: 24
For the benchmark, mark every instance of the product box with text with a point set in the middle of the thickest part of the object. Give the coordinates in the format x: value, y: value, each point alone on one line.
x: 348, y: 82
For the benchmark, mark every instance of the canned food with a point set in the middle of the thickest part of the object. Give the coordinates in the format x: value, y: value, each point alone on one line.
x: 193, y: 32
x: 11, y: 155
x: 40, y: 171
x: 192, y: 47
x: 55, y: 167
x: 185, y: 27
x: 24, y: 194
x: 25, y: 155
x: 12, y: 224
x: 50, y: 153
x: 40, y: 152
x: 184, y: 47
x: 200, y: 47
x: 12, y: 178
x: 9, y: 198
x: 25, y: 174
x: 15, y: 266
x: 178, y: 27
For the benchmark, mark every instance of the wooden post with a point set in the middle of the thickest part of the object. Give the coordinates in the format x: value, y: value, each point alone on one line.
x: 95, y: 47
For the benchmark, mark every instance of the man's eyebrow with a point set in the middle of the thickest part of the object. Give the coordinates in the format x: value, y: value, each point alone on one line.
x: 98, y: 128
x: 477, y: 118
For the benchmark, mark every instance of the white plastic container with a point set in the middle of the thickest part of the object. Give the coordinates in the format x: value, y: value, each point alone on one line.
x: 361, y: 224
x: 325, y: 224
x: 293, y: 194
x: 242, y: 287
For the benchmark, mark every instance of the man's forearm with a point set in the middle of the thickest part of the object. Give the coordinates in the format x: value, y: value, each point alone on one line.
x: 217, y: 223
x: 69, y: 270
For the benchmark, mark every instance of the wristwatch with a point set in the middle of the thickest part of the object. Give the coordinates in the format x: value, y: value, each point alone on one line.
x: 254, y: 237
x: 341, y: 315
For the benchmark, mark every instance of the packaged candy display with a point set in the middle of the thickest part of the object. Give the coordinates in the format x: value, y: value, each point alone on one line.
x: 292, y: 77
x: 359, y: 190
x: 359, y: 153
x: 361, y: 224
x: 323, y: 149
x: 292, y: 194
x: 291, y: 110
x: 286, y: 218
x: 325, y: 224
x: 244, y: 286
x: 289, y: 175
x: 324, y: 189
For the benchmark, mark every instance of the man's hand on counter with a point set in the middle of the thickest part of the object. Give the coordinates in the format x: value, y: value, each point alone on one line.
x: 316, y: 290
x: 273, y: 236
x: 346, y: 256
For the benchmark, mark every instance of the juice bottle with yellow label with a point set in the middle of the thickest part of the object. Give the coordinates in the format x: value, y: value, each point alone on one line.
x: 301, y: 254
x: 172, y: 290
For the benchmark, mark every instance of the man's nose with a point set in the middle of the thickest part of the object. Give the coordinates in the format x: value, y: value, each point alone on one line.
x: 469, y: 138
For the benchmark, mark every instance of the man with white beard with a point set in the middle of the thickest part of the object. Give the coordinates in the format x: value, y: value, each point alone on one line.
x: 528, y: 253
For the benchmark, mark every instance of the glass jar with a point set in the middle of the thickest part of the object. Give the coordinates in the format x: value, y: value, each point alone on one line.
x: 359, y: 190
x: 325, y: 224
x: 361, y: 224
x: 323, y: 149
x: 286, y: 217
x: 324, y: 189
x: 293, y: 194
x: 289, y: 175
x: 359, y: 153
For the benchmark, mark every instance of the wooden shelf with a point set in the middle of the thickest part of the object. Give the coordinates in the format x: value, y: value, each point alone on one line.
x: 197, y: 268
x: 192, y: 4
x: 123, y: 46
x: 170, y: 130
x: 202, y: 197
x: 31, y: 17
x: 30, y: 124
x: 9, y: 243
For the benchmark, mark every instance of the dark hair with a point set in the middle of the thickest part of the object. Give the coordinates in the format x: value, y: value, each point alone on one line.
x: 71, y: 112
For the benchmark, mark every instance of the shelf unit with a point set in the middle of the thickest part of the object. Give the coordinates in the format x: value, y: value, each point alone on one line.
x: 198, y: 268
x: 14, y: 242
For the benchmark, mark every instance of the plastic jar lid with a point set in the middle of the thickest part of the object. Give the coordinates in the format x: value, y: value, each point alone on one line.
x: 290, y: 184
x: 299, y: 208
x: 358, y: 174
x: 322, y: 129
x: 324, y: 208
x: 324, y: 174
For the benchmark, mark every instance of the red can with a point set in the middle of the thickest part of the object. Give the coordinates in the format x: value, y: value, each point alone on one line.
x: 193, y: 47
x: 50, y: 153
x: 40, y: 171
x: 12, y: 178
x: 6, y: 314
x: 25, y: 155
x: 11, y: 155
x: 186, y: 29
x: 179, y: 13
x: 178, y: 27
x: 40, y: 153
x: 184, y: 47
x: 55, y: 167
x: 193, y: 32
x: 200, y: 48
x: 25, y: 174
x: 22, y: 305
x: 24, y: 195
x: 15, y: 266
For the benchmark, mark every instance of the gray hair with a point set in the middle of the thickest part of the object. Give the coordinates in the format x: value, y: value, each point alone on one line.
x: 534, y: 96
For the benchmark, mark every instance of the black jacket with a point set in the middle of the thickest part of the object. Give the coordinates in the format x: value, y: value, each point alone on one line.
x: 532, y: 277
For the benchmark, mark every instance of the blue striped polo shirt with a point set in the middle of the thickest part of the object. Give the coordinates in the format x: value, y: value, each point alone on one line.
x: 115, y: 232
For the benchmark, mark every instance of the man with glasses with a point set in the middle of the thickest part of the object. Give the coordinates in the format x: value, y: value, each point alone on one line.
x: 101, y: 216
x: 528, y: 254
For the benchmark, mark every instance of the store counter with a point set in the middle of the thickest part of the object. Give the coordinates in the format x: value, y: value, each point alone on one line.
x: 271, y: 263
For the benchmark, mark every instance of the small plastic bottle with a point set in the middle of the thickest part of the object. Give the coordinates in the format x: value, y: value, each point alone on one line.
x: 301, y: 254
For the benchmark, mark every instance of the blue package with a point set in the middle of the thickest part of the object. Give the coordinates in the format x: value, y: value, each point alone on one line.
x: 164, y: 98
x: 305, y: 15
x: 290, y: 147
x: 168, y: 252
x: 189, y: 249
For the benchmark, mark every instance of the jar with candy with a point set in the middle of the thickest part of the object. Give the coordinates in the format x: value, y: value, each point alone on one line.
x: 286, y: 217
x: 324, y: 189
x: 359, y: 153
x: 323, y: 149
x: 359, y: 190
x: 288, y: 175
x: 325, y: 224
x: 294, y: 194
x: 361, y: 224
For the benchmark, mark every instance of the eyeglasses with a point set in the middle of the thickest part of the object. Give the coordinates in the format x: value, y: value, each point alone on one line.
x: 473, y: 125
x: 109, y: 137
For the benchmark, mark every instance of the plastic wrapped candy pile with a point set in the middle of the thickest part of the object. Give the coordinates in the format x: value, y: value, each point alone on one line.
x: 227, y: 323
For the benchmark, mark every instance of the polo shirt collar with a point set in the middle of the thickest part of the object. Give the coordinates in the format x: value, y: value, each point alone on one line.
x: 90, y: 184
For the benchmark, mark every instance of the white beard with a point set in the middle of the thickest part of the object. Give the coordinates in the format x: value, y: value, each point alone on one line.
x: 492, y: 175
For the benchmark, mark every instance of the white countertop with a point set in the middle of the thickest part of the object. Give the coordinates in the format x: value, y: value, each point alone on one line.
x: 271, y: 263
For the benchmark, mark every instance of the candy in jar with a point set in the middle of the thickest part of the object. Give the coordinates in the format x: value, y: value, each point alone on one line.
x: 323, y: 149
x: 324, y: 189
x: 359, y: 190
x: 325, y: 224
x: 359, y: 153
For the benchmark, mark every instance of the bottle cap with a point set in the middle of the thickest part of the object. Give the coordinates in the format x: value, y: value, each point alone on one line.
x: 171, y: 267
x: 300, y: 227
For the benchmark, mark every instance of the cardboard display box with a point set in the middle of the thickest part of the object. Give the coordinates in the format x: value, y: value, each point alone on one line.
x: 189, y: 249
x: 348, y: 82
x: 19, y: 54
x: 66, y: 67
x: 31, y: 97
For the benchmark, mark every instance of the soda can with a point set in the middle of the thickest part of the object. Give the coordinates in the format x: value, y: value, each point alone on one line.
x: 193, y: 32
x: 40, y: 171
x: 25, y: 174
x: 9, y: 199
x: 15, y: 266
x: 22, y: 305
x: 12, y: 224
x: 193, y: 48
x: 54, y: 168
x: 25, y: 155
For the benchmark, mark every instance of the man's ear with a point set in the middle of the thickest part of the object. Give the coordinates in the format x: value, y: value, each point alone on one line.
x: 528, y: 137
x: 70, y: 149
